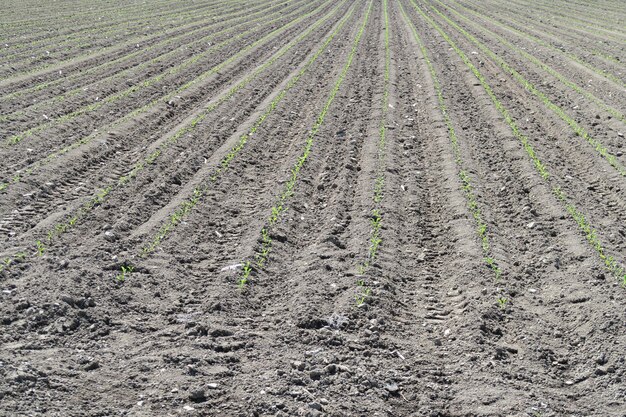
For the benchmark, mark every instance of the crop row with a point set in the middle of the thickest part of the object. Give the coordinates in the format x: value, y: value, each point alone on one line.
x: 102, y: 195
x: 577, y: 215
x: 143, y: 84
x: 158, y: 13
x: 280, y: 206
x: 106, y: 31
x: 18, y: 176
x: 250, y: 16
x: 575, y: 21
x: 54, y: 68
x: 534, y: 39
x: 49, y: 45
x: 563, y: 79
x: 199, y: 192
x: 482, y: 229
x: 569, y: 25
x: 376, y: 215
x: 115, y: 64
x: 573, y: 124
x: 598, y: 11
x: 55, y: 15
x: 552, y: 33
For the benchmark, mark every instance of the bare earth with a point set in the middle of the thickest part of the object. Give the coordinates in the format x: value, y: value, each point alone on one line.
x: 310, y: 208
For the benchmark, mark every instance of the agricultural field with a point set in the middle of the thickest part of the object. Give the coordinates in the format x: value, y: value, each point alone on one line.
x: 313, y: 207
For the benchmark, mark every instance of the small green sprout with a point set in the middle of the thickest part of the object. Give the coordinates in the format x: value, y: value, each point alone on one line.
x: 247, y: 270
x: 40, y: 248
x: 363, y: 294
x: 502, y: 302
x: 124, y: 271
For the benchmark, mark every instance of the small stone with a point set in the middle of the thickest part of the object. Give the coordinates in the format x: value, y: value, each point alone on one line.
x: 324, y: 401
x: 92, y: 366
x: 343, y: 368
x: 569, y: 382
x: 139, y: 403
x: 315, y: 406
x: 110, y: 236
x: 620, y: 134
x: 211, y: 385
x: 601, y: 360
x: 330, y: 369
x: 188, y: 408
x: 298, y: 365
x: 233, y: 267
x: 315, y: 374
x: 68, y: 299
x: 600, y: 371
x: 392, y: 387
x: 197, y: 395
x: 530, y: 225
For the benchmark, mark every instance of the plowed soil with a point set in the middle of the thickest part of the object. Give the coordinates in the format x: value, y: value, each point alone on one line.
x: 309, y: 208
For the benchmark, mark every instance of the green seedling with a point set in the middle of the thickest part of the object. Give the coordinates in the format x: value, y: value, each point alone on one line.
x: 502, y: 302
x: 245, y: 276
x: 40, y: 248
x: 494, y: 267
x: 125, y: 271
x: 364, y: 293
